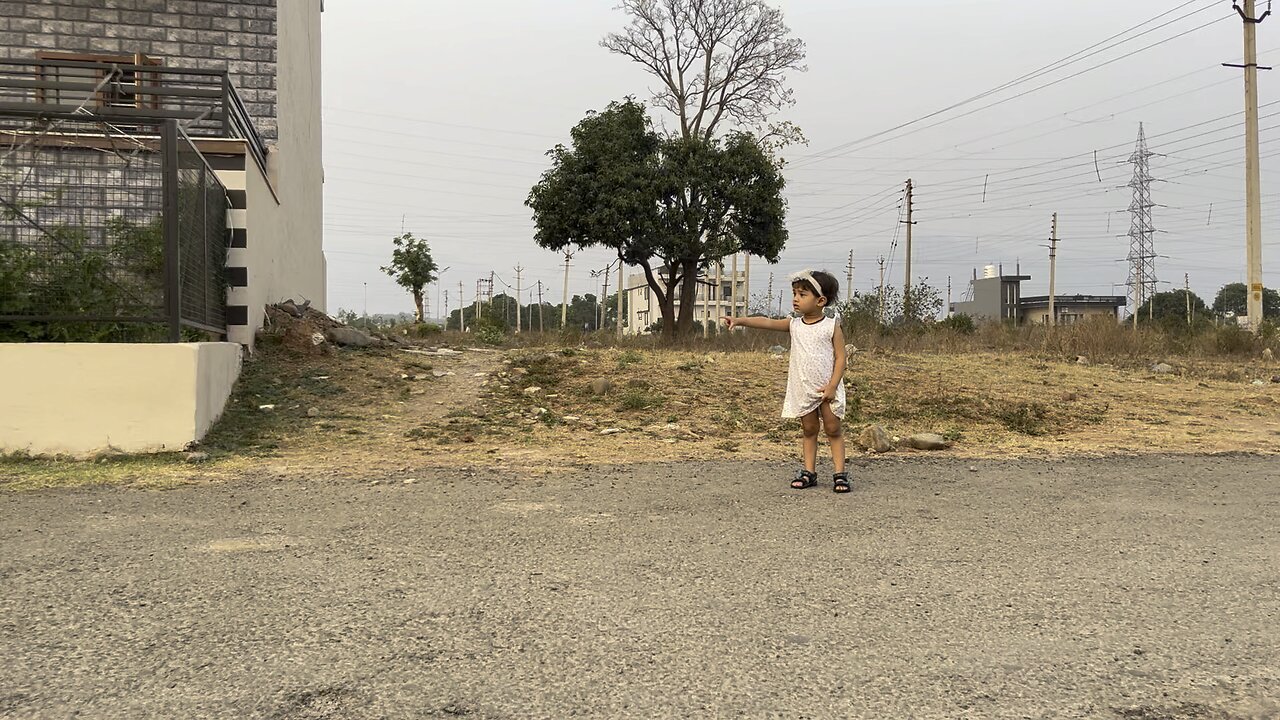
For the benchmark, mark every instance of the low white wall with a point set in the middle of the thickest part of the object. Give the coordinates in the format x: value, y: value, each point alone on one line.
x: 80, y: 398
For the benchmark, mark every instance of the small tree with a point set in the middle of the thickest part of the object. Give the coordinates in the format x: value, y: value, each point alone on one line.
x: 412, y: 268
x: 922, y: 304
x: 1172, y: 306
x: 1234, y: 298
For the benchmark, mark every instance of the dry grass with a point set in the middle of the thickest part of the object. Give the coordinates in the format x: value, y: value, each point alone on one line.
x: 379, y: 412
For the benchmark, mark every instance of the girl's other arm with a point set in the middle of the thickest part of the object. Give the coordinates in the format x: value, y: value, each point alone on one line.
x: 837, y: 373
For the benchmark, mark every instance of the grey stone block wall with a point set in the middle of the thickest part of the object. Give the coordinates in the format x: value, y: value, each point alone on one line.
x: 235, y: 35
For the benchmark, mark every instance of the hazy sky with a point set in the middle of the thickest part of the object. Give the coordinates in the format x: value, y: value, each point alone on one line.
x: 438, y: 115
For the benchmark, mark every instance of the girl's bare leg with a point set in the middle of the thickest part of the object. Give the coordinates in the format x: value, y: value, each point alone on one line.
x: 835, y: 433
x: 811, y: 425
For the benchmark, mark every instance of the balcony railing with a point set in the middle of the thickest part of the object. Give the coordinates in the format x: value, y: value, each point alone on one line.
x: 204, y: 102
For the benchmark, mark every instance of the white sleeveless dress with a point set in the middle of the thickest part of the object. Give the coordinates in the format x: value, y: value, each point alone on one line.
x: 813, y: 358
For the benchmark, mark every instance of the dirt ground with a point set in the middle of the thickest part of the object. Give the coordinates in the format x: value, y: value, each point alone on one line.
x: 355, y: 412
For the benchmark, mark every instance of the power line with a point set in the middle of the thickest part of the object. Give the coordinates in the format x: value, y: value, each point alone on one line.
x: 1071, y: 59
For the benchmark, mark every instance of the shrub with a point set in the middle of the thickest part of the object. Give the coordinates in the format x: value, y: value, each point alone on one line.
x: 960, y: 323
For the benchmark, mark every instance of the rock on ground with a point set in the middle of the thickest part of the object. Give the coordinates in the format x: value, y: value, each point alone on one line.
x: 928, y: 441
x: 874, y: 438
x: 349, y: 337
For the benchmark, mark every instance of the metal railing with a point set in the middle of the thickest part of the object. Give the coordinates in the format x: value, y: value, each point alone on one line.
x: 134, y: 96
x: 120, y: 240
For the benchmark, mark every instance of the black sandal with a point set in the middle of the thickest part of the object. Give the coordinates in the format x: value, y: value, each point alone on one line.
x: 841, y: 482
x: 804, y: 479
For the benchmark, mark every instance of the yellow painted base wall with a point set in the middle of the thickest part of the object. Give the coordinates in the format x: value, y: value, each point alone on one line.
x: 81, y: 398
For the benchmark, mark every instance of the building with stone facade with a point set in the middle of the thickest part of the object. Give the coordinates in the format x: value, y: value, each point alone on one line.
x: 200, y: 119
x: 266, y: 53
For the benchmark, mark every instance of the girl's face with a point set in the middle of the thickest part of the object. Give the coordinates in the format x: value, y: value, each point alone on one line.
x: 804, y: 300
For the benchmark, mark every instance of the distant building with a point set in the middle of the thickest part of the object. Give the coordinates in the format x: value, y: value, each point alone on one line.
x: 643, y: 308
x: 1069, y: 308
x: 995, y: 297
x: 998, y: 298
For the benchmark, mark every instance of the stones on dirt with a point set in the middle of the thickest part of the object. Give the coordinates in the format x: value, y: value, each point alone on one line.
x: 1082, y: 360
x: 875, y: 439
x: 290, y: 307
x: 1258, y: 382
x: 601, y: 386
x: 531, y: 391
x: 197, y: 457
x: 928, y: 441
x: 850, y: 349
x: 313, y: 412
x: 1268, y: 355
x: 441, y: 373
x: 1162, y: 368
x: 1275, y: 379
x: 349, y: 337
x: 266, y: 408
x: 520, y: 371
x: 611, y: 431
x: 777, y: 350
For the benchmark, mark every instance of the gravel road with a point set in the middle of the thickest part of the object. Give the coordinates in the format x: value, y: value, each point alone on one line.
x: 1140, y: 589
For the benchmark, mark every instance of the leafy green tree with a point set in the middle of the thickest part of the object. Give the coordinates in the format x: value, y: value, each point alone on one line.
x: 1234, y: 298
x: 412, y: 267
x: 671, y: 206
x: 1172, y: 306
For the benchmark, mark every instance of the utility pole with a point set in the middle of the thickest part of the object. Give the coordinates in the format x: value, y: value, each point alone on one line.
x: 880, y: 297
x: 604, y: 297
x: 539, y: 307
x: 1053, y: 271
x: 462, y: 310
x: 1186, y: 291
x: 910, y: 221
x: 519, y: 271
x: 746, y: 284
x: 720, y: 293
x: 446, y: 309
x: 770, y: 293
x: 733, y: 288
x: 366, y: 303
x: 948, y: 296
x: 620, y: 284
x: 564, y: 309
x: 848, y: 279
x: 1252, y: 172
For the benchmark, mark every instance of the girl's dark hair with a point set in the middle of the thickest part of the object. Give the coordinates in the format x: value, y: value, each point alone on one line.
x: 830, y: 286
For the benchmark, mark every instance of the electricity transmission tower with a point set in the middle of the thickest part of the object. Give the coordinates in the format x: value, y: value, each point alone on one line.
x: 1142, y: 249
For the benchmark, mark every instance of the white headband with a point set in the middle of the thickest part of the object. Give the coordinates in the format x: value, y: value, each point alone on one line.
x: 807, y: 276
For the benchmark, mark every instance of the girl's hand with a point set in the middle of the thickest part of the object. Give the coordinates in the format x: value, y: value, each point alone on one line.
x: 828, y: 393
x: 731, y: 322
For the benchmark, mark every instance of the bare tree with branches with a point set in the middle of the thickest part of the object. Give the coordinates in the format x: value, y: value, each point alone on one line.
x: 717, y: 60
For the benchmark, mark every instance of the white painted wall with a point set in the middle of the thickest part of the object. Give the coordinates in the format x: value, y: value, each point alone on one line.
x: 285, y: 207
x: 298, y: 164
x: 80, y: 398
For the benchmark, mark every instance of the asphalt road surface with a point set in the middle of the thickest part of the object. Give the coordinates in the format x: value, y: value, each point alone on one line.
x: 1144, y: 589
